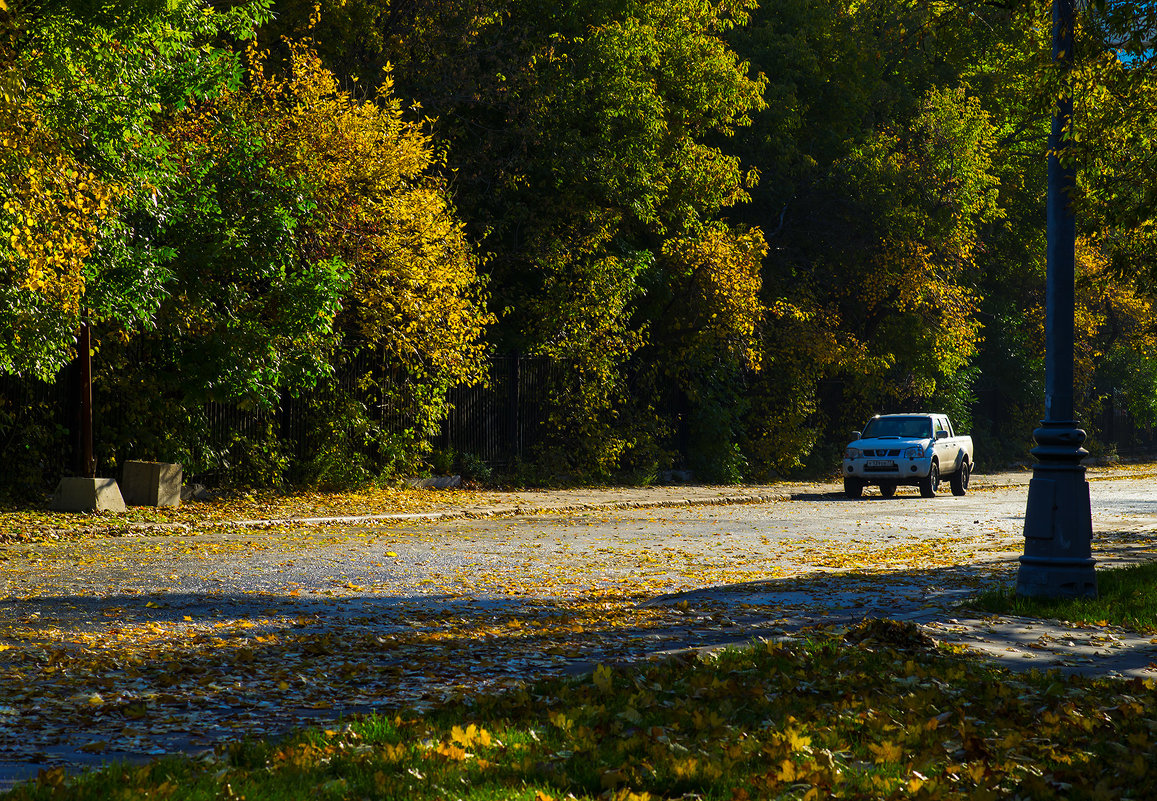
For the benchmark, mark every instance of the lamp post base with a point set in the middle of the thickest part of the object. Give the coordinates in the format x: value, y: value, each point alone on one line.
x: 1058, y: 521
x: 1053, y: 580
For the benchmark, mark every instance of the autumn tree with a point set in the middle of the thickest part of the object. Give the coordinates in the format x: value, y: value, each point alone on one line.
x: 87, y: 167
x: 581, y: 137
x: 226, y: 228
x: 307, y: 228
x: 51, y: 211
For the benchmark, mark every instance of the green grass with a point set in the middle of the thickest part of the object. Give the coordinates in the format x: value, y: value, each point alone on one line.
x: 875, y: 713
x: 1127, y: 597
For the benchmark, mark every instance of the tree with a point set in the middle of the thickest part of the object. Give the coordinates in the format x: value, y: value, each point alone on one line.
x: 87, y: 173
x: 582, y: 141
x: 307, y: 227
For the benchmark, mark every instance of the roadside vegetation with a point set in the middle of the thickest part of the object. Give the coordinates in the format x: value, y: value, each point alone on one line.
x: 875, y: 712
x: 735, y: 229
x: 1127, y: 597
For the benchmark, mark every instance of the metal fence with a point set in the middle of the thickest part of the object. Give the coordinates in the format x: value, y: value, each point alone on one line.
x: 501, y: 421
x: 497, y: 423
x: 1117, y: 428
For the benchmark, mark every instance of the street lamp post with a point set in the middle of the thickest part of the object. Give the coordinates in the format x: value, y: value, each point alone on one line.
x: 1058, y: 528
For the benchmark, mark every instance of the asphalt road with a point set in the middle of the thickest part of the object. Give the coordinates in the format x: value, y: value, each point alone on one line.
x: 132, y: 646
x: 653, y: 550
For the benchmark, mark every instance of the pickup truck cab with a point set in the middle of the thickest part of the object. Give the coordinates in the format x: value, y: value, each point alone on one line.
x: 912, y: 449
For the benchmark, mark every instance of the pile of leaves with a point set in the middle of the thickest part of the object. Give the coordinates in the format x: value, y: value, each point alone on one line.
x: 877, y: 713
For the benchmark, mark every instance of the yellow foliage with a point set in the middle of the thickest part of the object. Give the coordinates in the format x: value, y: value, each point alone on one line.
x: 378, y: 209
x: 51, y: 209
x: 471, y: 736
x: 603, y: 678
x: 922, y: 309
x: 796, y: 740
x: 452, y: 752
x: 886, y: 751
x: 724, y: 265
x: 1109, y: 311
x: 392, y: 753
x: 415, y: 278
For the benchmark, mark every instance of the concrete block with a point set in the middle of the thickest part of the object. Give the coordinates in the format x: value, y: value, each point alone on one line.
x: 74, y: 494
x: 152, y: 483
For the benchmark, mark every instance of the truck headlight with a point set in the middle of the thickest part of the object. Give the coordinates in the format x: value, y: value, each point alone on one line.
x: 853, y: 453
x: 914, y: 453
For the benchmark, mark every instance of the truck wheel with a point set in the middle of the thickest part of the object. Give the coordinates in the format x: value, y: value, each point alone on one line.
x: 887, y: 489
x: 959, y: 479
x: 930, y: 483
x: 853, y: 487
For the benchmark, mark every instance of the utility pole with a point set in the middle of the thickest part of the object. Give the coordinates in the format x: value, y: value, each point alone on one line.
x: 84, y: 356
x: 86, y: 492
x: 1058, y: 527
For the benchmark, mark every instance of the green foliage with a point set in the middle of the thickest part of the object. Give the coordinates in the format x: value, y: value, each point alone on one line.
x: 596, y: 186
x: 90, y: 91
x: 247, y: 314
x: 741, y: 229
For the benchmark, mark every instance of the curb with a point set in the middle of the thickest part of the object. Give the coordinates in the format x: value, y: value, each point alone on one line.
x: 518, y: 510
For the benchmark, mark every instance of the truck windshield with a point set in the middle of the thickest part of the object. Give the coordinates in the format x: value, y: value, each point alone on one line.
x: 907, y: 427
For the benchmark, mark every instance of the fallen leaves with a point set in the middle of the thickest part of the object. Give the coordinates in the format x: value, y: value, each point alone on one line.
x: 833, y: 716
x: 278, y: 628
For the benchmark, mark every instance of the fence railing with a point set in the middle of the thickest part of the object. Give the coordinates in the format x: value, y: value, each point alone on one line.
x: 498, y: 423
x: 501, y: 421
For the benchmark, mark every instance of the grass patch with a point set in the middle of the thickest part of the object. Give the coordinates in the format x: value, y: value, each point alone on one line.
x: 1127, y: 598
x: 875, y: 713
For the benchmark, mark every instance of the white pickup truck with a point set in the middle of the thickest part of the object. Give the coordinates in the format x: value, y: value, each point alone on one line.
x: 916, y: 449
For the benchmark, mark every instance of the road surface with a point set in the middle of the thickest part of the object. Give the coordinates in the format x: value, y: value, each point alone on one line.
x: 126, y: 647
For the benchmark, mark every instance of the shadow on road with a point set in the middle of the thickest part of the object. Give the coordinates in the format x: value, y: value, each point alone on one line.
x: 134, y: 675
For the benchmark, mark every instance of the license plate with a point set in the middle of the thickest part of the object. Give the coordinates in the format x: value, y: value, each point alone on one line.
x: 878, y: 465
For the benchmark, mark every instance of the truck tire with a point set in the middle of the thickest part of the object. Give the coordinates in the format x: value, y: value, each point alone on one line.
x: 959, y: 479
x: 853, y: 487
x: 931, y: 482
x: 887, y: 489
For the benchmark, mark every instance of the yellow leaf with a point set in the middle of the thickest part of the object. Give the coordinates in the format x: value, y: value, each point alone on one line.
x: 797, y: 741
x: 603, y: 677
x: 886, y: 751
x: 451, y: 751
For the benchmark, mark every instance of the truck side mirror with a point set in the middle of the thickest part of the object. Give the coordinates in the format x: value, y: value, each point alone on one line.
x: 856, y: 435
x: 941, y: 434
